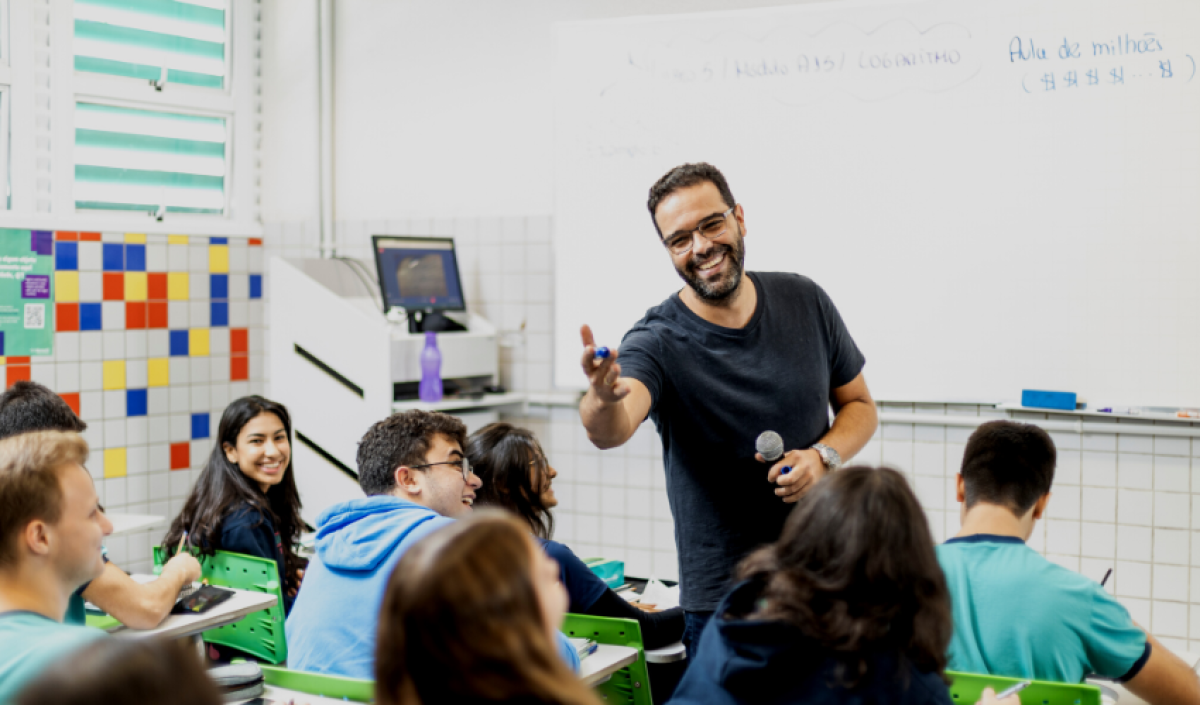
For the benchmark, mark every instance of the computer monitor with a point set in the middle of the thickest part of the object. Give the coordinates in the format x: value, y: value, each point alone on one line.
x: 418, y: 273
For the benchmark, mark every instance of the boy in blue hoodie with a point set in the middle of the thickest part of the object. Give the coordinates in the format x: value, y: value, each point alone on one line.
x: 411, y: 467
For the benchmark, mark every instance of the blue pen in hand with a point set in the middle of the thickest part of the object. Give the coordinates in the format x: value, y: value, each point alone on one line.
x: 602, y: 353
x: 785, y: 469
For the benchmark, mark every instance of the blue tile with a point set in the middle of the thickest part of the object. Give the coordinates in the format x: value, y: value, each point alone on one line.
x: 135, y: 258
x: 1, y: 342
x: 66, y: 256
x: 218, y: 241
x: 135, y: 402
x: 218, y: 287
x: 114, y: 257
x: 179, y: 341
x: 220, y: 314
x: 256, y: 286
x: 90, y: 317
x: 199, y: 426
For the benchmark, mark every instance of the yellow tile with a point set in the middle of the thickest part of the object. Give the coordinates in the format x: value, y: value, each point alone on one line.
x: 177, y: 239
x: 198, y: 342
x: 3, y: 360
x: 218, y: 258
x: 66, y: 286
x: 159, y: 371
x: 114, y: 374
x: 177, y: 286
x: 136, y: 238
x: 135, y: 286
x: 114, y: 462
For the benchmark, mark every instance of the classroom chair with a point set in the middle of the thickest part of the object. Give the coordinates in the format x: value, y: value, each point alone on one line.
x: 630, y: 685
x: 967, y: 688
x: 260, y: 633
x: 319, y: 684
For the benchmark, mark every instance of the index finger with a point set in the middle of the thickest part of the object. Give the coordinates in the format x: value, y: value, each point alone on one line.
x: 585, y: 332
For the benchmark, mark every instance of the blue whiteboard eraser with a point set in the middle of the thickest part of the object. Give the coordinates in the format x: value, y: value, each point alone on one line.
x: 1048, y: 400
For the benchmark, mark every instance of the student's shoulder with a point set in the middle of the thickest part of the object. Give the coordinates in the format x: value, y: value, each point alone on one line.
x: 35, y: 631
x: 243, y: 515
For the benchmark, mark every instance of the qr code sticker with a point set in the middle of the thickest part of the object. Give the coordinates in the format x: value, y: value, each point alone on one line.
x: 35, y: 316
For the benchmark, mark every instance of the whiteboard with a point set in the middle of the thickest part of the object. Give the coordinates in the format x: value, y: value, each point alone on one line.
x: 997, y: 195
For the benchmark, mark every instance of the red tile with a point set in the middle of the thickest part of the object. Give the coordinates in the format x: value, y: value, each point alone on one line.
x: 13, y: 360
x: 156, y: 315
x: 181, y: 456
x: 16, y: 373
x: 69, y: 237
x: 156, y: 284
x: 114, y: 286
x: 89, y: 237
x: 256, y: 241
x: 239, y: 340
x: 72, y: 400
x: 135, y: 315
x: 239, y: 368
x: 66, y: 317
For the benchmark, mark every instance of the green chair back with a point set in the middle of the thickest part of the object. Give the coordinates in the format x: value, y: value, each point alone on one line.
x: 967, y: 688
x: 629, y: 685
x: 260, y: 633
x: 336, y: 687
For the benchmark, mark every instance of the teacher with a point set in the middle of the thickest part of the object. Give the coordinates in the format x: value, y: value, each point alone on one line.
x: 730, y: 355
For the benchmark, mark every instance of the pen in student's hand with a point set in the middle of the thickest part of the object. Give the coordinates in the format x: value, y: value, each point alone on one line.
x: 1106, y: 577
x: 1013, y: 690
x: 182, y: 540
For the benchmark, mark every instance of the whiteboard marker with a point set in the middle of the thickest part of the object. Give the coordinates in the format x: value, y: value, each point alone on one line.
x: 602, y: 353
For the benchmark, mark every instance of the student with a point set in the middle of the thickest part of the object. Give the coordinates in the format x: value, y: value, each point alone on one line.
x: 246, y: 500
x: 1066, y: 628
x: 28, y: 406
x: 52, y: 531
x: 470, y: 615
x: 125, y: 672
x: 517, y: 477
x: 848, y: 606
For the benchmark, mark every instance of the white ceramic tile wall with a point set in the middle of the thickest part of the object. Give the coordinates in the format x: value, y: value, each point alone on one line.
x: 1119, y: 501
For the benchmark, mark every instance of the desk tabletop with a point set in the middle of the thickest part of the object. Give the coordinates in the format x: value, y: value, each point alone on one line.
x: 127, y: 523
x: 242, y: 603
x: 606, y: 660
x: 667, y: 654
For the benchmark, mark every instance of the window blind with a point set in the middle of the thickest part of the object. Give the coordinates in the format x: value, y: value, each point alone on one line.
x: 132, y: 159
x: 144, y: 38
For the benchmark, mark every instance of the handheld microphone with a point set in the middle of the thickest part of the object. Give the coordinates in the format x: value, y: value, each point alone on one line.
x: 770, y: 446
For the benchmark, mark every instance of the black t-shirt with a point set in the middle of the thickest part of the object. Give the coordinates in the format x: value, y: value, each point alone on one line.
x: 713, y: 391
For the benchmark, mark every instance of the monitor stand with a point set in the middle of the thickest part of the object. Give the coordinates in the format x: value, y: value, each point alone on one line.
x: 422, y: 321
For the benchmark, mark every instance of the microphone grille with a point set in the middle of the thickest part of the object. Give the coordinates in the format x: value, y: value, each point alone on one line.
x: 770, y: 444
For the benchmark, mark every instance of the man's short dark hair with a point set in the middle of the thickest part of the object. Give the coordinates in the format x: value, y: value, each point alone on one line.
x: 684, y: 176
x: 28, y: 406
x: 402, y: 439
x: 1008, y: 463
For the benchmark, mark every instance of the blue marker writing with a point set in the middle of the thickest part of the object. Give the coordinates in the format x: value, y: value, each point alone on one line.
x: 602, y: 353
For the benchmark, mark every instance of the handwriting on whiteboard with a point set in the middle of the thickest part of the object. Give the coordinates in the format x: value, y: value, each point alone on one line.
x: 1124, y: 59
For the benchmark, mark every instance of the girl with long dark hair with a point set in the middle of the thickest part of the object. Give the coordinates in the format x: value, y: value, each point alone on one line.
x: 470, y: 615
x: 517, y: 477
x: 849, y: 606
x: 245, y: 500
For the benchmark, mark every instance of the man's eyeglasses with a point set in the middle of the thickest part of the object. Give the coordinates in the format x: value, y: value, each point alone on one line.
x: 680, y: 243
x: 464, y: 465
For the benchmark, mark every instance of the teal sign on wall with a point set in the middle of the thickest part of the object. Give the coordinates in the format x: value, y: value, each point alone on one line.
x: 26, y: 292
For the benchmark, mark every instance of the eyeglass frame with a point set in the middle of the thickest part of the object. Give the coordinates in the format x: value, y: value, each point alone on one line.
x: 696, y: 231
x: 461, y: 462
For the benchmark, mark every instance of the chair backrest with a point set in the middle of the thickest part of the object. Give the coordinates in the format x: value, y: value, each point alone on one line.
x: 325, y: 686
x: 261, y: 633
x: 630, y: 684
x: 967, y: 688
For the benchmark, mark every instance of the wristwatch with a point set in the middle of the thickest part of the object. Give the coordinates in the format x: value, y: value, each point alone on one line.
x: 829, y: 456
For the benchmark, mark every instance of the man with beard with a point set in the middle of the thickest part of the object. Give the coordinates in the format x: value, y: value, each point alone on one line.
x: 730, y: 355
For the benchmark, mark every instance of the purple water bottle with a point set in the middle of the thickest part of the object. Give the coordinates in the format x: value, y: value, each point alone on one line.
x: 431, y: 370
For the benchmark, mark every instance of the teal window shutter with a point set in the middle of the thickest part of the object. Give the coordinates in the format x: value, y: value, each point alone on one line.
x: 147, y: 160
x: 183, y: 42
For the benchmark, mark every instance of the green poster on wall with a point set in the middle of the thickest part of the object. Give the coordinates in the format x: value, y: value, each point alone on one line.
x: 26, y: 292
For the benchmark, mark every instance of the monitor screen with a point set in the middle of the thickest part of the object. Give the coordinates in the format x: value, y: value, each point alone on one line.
x: 418, y: 273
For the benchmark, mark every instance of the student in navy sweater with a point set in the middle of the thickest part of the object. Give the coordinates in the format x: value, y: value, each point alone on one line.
x: 849, y: 606
x: 245, y: 500
x: 517, y: 477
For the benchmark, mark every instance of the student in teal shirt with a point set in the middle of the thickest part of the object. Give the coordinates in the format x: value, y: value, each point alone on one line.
x: 52, y: 530
x: 1016, y: 613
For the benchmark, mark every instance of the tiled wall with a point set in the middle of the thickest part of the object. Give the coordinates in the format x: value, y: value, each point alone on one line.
x: 154, y: 335
x: 1123, y: 501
